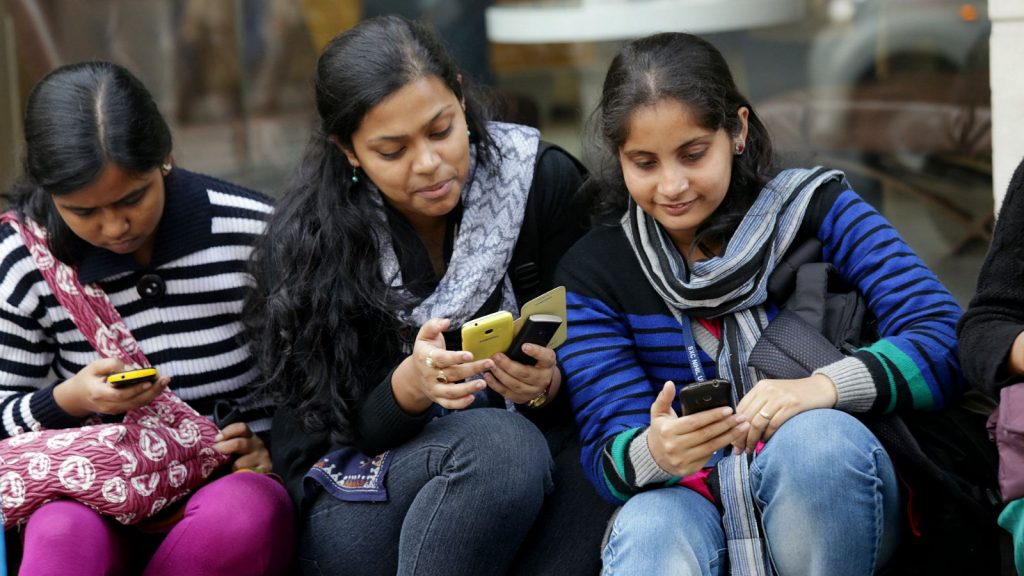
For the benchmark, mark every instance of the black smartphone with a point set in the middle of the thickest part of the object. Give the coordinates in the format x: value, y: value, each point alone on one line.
x: 701, y: 396
x: 132, y: 377
x: 538, y: 329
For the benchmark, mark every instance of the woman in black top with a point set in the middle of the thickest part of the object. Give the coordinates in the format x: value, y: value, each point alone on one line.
x: 410, y: 215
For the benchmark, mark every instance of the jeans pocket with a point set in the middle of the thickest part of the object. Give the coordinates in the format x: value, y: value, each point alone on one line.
x: 310, y: 567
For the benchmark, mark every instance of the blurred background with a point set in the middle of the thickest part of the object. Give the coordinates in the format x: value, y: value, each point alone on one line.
x: 894, y: 92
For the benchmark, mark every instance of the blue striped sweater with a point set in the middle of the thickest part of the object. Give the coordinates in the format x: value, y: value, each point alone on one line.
x: 624, y: 343
x: 190, y: 332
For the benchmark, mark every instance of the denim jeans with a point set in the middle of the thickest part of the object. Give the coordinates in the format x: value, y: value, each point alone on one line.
x: 462, y: 496
x: 828, y: 497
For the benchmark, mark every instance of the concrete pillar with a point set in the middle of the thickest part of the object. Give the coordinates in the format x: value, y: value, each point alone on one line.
x: 1007, y: 52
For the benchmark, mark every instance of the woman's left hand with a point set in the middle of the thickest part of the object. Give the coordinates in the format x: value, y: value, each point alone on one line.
x: 521, y: 383
x: 251, y: 451
x: 771, y: 402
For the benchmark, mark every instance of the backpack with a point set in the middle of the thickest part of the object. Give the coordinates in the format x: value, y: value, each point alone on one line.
x: 943, y: 458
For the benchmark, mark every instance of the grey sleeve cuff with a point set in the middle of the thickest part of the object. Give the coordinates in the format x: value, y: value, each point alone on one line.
x: 645, y: 469
x: 854, y: 386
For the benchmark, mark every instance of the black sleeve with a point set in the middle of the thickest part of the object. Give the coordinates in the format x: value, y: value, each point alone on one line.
x: 381, y: 423
x: 996, y: 313
x: 294, y: 451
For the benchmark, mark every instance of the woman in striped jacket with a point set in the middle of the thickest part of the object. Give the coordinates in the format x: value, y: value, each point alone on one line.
x: 673, y: 292
x: 170, y: 249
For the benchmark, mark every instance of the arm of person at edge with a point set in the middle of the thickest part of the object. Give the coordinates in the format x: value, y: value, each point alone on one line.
x: 562, y: 221
x: 992, y: 329
x: 916, y: 320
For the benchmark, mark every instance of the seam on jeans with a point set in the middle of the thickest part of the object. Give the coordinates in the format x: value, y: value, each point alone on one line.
x: 309, y: 563
x: 612, y: 533
x: 879, y: 508
x: 449, y: 455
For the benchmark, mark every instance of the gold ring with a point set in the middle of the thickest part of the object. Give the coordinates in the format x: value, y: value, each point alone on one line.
x: 441, y: 378
x: 429, y: 360
x: 765, y: 416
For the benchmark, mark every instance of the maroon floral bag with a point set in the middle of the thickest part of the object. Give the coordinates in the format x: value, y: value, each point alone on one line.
x: 129, y: 470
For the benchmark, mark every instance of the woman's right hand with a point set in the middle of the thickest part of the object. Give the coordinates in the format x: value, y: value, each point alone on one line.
x: 682, y: 445
x: 88, y: 392
x: 432, y: 374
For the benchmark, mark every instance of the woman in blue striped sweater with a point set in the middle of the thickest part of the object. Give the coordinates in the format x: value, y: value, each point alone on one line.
x: 673, y: 292
x: 170, y: 249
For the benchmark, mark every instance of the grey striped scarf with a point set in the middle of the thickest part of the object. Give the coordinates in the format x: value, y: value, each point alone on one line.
x: 493, y: 205
x: 733, y: 287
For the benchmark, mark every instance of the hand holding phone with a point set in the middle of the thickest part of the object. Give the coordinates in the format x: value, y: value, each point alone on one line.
x: 538, y: 329
x: 132, y: 377
x: 701, y: 396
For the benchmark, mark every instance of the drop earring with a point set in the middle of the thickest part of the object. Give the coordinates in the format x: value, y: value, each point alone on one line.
x: 355, y: 175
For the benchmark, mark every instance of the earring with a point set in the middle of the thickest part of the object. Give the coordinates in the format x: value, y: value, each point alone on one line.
x: 469, y: 132
x: 165, y: 168
x: 355, y: 176
x: 740, y: 147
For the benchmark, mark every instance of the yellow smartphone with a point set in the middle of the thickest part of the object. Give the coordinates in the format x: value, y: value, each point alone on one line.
x: 487, y: 335
x: 132, y: 377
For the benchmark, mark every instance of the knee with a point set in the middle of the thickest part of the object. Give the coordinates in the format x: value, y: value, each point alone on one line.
x: 60, y: 521
x: 647, y: 515
x: 505, y: 446
x: 252, y: 507
x: 666, y: 529
x: 826, y: 443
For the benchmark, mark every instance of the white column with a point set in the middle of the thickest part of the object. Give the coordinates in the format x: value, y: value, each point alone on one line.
x: 1007, y: 53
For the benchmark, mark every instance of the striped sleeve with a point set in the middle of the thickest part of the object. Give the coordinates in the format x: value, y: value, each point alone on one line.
x: 914, y: 364
x: 609, y: 390
x: 26, y: 347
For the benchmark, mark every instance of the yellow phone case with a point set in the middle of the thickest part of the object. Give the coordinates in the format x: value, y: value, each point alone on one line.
x: 124, y: 379
x: 487, y: 335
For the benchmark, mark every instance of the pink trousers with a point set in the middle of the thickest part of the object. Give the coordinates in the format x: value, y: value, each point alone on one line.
x: 241, y: 523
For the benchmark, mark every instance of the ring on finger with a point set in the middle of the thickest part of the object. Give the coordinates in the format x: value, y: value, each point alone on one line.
x: 429, y: 360
x: 764, y: 415
x: 441, y: 378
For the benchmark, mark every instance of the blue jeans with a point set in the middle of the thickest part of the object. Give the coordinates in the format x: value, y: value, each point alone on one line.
x: 462, y: 496
x: 828, y: 497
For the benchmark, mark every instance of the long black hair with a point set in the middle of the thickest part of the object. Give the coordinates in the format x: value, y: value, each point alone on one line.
x: 79, y: 118
x: 689, y: 70
x: 321, y: 311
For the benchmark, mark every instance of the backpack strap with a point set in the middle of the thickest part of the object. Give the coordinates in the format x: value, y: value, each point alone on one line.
x: 524, y: 269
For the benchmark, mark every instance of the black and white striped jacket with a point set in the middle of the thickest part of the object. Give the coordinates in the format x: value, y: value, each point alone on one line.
x: 189, y: 330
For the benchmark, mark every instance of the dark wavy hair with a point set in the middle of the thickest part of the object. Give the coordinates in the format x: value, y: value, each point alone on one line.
x: 690, y: 70
x: 321, y: 311
x: 79, y: 118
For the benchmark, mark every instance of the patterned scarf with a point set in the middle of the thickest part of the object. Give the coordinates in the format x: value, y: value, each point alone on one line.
x: 494, y: 203
x: 733, y: 287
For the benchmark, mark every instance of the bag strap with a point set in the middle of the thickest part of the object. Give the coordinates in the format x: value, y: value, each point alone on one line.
x: 524, y: 269
x: 88, y: 305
